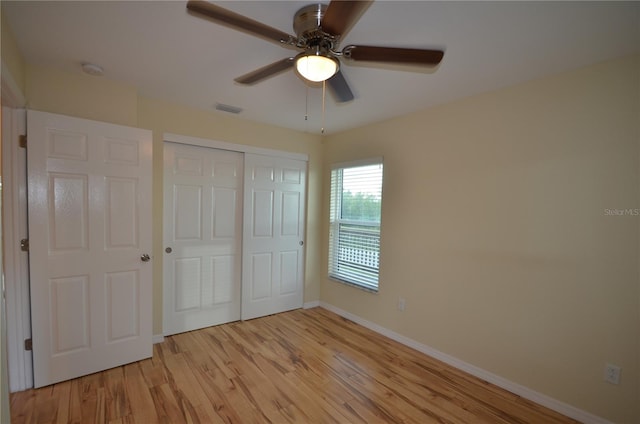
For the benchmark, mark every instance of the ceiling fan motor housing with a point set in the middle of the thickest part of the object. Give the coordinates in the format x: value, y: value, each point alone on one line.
x: 307, y: 26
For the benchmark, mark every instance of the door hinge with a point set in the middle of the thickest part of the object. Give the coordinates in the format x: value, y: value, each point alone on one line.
x: 23, y: 141
x: 28, y: 344
x: 24, y: 245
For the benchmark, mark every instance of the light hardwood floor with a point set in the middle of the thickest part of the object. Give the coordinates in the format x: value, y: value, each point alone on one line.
x: 304, y: 366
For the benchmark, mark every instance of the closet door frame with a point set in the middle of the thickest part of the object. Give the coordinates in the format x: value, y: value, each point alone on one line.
x: 241, y: 148
x: 223, y: 145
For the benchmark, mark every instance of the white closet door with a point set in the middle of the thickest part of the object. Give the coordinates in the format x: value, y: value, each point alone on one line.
x: 273, y: 251
x: 202, y: 237
x: 89, y: 197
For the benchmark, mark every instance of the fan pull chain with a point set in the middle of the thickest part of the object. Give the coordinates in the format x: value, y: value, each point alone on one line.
x: 306, y: 103
x: 324, y: 95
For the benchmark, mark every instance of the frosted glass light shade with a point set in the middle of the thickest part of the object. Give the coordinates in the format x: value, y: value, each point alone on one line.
x: 316, y: 68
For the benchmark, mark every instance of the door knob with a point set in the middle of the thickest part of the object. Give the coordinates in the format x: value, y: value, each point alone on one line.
x: 145, y: 257
x: 168, y: 250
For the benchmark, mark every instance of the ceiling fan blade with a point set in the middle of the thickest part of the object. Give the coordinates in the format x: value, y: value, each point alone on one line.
x: 340, y: 89
x: 393, y: 55
x: 238, y: 22
x: 266, y: 71
x: 341, y: 15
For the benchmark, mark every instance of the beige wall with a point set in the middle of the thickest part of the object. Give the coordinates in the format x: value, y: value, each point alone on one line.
x: 11, y: 57
x: 100, y: 99
x: 80, y: 95
x: 494, y: 230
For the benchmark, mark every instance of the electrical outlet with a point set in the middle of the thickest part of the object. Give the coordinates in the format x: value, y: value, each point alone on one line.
x: 402, y: 303
x: 612, y: 374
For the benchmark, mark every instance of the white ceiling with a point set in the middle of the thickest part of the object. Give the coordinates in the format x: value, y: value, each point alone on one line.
x: 169, y: 54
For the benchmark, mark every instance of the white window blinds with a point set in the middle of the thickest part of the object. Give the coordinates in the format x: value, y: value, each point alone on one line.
x: 354, y: 238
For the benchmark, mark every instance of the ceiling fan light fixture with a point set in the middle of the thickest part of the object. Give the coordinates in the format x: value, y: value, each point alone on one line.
x: 316, y: 67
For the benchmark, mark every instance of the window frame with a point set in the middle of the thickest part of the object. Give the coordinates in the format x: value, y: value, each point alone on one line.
x: 335, y: 207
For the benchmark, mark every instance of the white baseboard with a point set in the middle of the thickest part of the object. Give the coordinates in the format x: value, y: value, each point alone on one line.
x: 157, y: 338
x: 312, y: 304
x: 525, y: 392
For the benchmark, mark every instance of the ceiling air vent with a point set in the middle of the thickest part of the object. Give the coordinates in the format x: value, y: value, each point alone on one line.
x: 228, y: 108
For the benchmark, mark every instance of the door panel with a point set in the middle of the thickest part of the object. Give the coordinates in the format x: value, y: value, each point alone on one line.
x: 68, y: 212
x: 89, y: 197
x: 70, y: 314
x: 121, y: 220
x: 122, y: 290
x: 202, y: 229
x: 289, y: 271
x: 273, y: 252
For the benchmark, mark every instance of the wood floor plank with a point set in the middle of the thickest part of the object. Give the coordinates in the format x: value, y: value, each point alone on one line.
x: 139, y: 394
x: 117, y: 402
x: 166, y: 405
x: 186, y: 389
x: 47, y: 406
x: 62, y: 394
x: 75, y: 410
x: 303, y: 366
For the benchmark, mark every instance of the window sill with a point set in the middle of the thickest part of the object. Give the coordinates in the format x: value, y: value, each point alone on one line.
x: 354, y: 285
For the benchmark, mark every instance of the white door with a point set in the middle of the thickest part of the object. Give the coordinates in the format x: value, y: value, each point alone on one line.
x: 202, y: 237
x: 273, y: 251
x: 89, y: 197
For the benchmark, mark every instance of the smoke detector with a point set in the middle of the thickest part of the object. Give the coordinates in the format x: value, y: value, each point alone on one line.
x: 92, y: 69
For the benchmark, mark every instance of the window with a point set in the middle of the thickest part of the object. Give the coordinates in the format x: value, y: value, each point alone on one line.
x: 354, y: 238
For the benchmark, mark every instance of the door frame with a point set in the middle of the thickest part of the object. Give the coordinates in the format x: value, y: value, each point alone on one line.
x: 15, y: 284
x: 16, y: 262
x: 223, y: 145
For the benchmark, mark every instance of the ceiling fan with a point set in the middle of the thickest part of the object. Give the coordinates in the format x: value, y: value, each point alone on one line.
x: 319, y: 29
